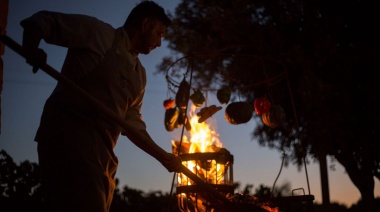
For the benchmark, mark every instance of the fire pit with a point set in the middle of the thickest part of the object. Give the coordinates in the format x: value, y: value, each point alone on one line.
x: 215, y: 168
x: 202, y: 154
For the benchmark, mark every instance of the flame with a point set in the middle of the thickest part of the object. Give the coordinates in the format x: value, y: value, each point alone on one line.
x: 202, y: 139
x: 269, y: 209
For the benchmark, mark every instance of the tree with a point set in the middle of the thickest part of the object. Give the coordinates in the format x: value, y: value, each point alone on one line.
x: 20, y: 191
x: 316, y: 59
x: 136, y: 200
x: 19, y: 185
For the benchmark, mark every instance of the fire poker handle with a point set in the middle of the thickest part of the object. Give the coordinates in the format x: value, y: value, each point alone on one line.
x: 207, y: 187
x: 13, y: 45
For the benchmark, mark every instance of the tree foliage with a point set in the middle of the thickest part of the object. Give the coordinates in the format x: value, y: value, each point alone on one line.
x: 317, y: 59
x: 19, y: 185
x: 130, y: 199
x: 20, y: 191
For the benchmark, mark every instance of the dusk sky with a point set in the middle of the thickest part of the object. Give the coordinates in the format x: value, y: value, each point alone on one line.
x: 25, y: 93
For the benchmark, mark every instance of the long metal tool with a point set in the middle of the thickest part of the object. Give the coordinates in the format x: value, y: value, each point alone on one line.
x: 9, y: 42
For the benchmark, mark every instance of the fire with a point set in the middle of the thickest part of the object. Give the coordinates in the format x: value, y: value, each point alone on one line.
x: 203, y: 139
x: 269, y: 209
x: 203, y: 154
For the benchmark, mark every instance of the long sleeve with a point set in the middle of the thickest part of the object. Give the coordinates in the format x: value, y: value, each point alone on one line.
x: 138, y: 134
x: 71, y: 30
x: 136, y: 128
x: 87, y: 38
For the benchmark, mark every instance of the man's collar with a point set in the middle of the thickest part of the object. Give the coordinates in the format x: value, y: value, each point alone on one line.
x: 128, y: 43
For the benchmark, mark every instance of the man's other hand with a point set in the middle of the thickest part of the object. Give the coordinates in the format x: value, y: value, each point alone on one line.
x: 172, y: 163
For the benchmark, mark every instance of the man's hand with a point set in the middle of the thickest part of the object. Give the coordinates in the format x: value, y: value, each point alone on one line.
x: 31, y: 39
x: 172, y: 163
x: 35, y: 58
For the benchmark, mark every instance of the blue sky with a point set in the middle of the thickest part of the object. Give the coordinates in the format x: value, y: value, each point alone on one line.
x: 24, y: 94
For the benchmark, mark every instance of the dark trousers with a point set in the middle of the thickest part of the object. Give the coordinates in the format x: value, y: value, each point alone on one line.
x: 78, y: 173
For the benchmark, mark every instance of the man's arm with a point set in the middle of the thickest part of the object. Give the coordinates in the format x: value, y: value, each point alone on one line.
x: 67, y: 30
x: 84, y: 33
x: 137, y: 133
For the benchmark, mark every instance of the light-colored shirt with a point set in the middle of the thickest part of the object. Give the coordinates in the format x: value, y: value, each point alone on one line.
x: 115, y: 78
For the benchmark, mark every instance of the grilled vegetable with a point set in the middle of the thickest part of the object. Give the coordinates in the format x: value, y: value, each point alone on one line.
x: 207, y: 112
x: 274, y: 117
x: 197, y: 98
x: 183, y: 120
x: 171, y: 116
x: 169, y: 103
x: 262, y: 105
x: 238, y: 112
x: 223, y: 95
x: 183, y: 93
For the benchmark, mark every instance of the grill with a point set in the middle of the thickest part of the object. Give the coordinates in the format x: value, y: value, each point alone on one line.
x: 215, y: 168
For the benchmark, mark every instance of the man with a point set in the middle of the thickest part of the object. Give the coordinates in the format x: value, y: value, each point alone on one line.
x: 75, y: 141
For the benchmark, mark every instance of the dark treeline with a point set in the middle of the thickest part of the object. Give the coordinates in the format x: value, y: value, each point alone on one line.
x: 20, y: 192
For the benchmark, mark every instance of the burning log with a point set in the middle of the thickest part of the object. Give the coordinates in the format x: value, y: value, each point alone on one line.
x: 204, y: 157
x: 216, y: 170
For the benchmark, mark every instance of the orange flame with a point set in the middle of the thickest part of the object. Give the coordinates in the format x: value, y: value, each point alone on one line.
x: 202, y: 139
x: 269, y: 209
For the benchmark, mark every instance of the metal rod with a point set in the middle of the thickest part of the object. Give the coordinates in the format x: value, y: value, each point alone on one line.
x: 182, y: 133
x: 297, y: 130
